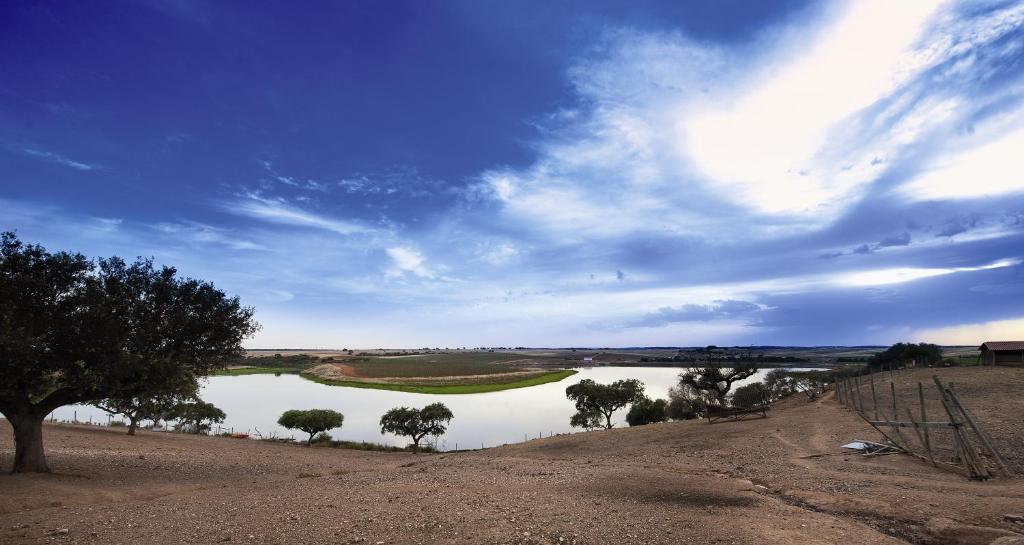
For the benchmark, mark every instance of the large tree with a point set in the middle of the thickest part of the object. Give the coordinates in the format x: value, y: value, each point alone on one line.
x: 595, y: 400
x: 716, y: 381
x: 416, y: 423
x: 312, y: 421
x: 77, y: 331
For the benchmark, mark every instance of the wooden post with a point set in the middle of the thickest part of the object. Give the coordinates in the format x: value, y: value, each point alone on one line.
x: 982, y: 436
x: 920, y: 436
x: 970, y: 457
x: 860, y: 399
x: 895, y: 411
x: 874, y: 397
x: 924, y: 418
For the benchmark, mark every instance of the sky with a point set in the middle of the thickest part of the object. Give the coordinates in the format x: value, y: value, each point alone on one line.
x: 580, y: 173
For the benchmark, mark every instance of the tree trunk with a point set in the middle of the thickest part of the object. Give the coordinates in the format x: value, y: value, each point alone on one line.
x: 608, y: 418
x: 416, y: 444
x: 133, y: 424
x: 310, y: 442
x: 28, y: 443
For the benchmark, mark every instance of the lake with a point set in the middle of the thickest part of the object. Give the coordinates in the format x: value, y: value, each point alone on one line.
x: 254, y: 402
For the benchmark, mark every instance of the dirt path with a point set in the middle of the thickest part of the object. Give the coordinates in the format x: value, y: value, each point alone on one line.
x: 777, y: 480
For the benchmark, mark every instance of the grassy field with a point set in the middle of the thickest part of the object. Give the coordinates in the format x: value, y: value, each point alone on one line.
x: 240, y: 371
x: 496, y: 385
x: 439, y: 365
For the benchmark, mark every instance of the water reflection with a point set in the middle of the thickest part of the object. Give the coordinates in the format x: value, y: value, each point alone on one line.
x: 254, y: 402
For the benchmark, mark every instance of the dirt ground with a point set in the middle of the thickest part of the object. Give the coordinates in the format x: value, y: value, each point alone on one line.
x: 782, y: 480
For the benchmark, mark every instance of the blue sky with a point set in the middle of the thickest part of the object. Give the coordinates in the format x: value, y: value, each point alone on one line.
x: 405, y: 174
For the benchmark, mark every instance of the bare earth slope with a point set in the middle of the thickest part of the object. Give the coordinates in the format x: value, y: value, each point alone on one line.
x: 672, y: 483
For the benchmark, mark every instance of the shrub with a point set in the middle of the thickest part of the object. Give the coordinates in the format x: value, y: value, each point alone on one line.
x: 750, y: 396
x: 322, y: 437
x: 684, y: 409
x: 647, y: 411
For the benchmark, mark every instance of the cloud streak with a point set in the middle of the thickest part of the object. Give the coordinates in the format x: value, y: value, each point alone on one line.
x: 60, y: 159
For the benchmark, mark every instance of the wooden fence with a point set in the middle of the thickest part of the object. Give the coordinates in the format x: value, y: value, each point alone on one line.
x: 949, y: 438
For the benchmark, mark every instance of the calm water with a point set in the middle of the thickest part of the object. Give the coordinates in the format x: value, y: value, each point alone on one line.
x: 254, y: 402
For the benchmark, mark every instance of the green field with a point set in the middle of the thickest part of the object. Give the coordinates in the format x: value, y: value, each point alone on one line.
x: 240, y: 371
x: 447, y: 364
x: 496, y: 386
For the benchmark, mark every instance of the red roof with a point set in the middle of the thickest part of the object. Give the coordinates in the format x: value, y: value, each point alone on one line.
x: 1003, y: 345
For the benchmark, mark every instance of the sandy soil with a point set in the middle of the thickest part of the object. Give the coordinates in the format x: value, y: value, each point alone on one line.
x: 777, y: 480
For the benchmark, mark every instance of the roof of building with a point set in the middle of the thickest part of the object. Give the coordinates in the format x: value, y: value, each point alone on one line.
x: 1003, y: 345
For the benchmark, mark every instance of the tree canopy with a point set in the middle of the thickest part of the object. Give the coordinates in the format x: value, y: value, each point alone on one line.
x: 417, y: 423
x: 197, y: 415
x: 647, y: 411
x: 594, y: 400
x: 717, y: 381
x: 312, y: 421
x: 73, y: 330
x: 902, y: 353
x: 750, y: 395
x: 151, y: 405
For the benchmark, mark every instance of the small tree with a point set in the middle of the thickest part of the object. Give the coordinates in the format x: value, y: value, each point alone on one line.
x: 137, y: 409
x: 197, y: 415
x: 417, y: 423
x: 593, y: 399
x: 685, y: 403
x: 750, y: 395
x: 647, y: 411
x: 150, y: 406
x: 312, y: 421
x: 715, y: 381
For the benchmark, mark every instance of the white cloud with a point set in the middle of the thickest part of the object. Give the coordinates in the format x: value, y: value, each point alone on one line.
x: 881, y: 277
x: 408, y: 260
x: 773, y: 147
x: 278, y: 211
x: 974, y: 334
x: 202, y: 234
x: 990, y: 169
x: 500, y: 254
x: 60, y: 159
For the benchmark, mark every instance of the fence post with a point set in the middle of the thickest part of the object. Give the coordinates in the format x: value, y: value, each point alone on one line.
x: 874, y: 397
x: 924, y: 418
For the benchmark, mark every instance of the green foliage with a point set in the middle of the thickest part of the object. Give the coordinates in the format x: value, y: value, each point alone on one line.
x: 716, y: 381
x: 312, y: 421
x: 902, y: 353
x: 499, y: 384
x: 593, y: 399
x: 417, y: 423
x: 588, y: 420
x: 647, y: 411
x: 684, y: 404
x: 155, y: 407
x: 78, y: 331
x: 196, y: 415
x: 750, y: 395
